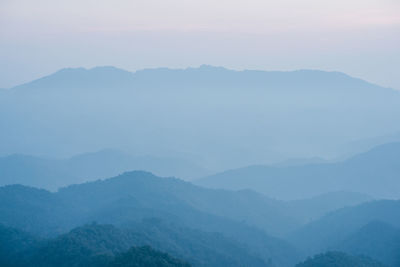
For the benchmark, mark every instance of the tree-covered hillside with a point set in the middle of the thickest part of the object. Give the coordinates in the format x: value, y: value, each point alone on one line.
x: 90, y: 246
x: 204, y: 227
x: 378, y: 240
x: 135, y: 196
x: 339, y: 259
x: 145, y: 256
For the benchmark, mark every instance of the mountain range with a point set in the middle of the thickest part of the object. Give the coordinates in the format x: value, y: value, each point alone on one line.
x: 374, y: 173
x: 207, y: 167
x: 219, y: 118
x: 204, y: 227
x: 137, y: 196
x: 53, y: 173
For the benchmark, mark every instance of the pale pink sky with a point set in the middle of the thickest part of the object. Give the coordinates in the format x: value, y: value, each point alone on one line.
x: 359, y: 37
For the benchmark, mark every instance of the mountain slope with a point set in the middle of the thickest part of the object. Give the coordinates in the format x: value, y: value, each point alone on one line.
x: 378, y: 240
x: 145, y: 256
x: 142, y: 188
x: 14, y: 246
x: 92, y: 245
x: 309, y: 209
x: 336, y: 227
x: 374, y: 172
x: 339, y: 259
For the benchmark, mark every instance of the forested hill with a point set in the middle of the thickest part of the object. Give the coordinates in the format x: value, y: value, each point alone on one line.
x: 339, y: 259
x: 91, y: 246
x: 204, y: 227
x: 135, y: 196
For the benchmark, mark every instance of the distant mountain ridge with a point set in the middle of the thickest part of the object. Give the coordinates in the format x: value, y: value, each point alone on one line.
x: 53, y: 173
x: 268, y: 116
x: 213, y: 73
x: 374, y: 173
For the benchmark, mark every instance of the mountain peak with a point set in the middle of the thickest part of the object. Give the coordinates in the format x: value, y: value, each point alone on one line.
x: 212, y: 68
x: 97, y: 77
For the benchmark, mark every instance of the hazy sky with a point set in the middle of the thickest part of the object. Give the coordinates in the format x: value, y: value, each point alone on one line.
x: 359, y: 37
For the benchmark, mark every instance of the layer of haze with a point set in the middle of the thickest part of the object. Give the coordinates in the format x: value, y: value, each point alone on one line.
x: 359, y: 37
